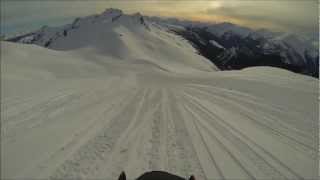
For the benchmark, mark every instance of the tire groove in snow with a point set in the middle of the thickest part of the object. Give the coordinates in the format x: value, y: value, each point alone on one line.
x: 202, y: 154
x: 123, y: 148
x: 164, y: 130
x: 263, y: 165
x: 188, y: 161
x: 268, y: 109
x: 244, y: 149
x: 172, y: 151
x: 281, y: 134
x: 155, y: 141
x: 28, y: 119
x: 87, y: 159
x: 139, y: 154
x: 81, y: 136
x: 233, y: 157
x: 258, y: 105
x: 48, y: 110
x: 208, y: 150
x: 221, y: 145
x: 238, y: 94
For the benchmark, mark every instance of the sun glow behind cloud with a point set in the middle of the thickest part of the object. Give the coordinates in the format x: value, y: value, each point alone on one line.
x: 215, y: 4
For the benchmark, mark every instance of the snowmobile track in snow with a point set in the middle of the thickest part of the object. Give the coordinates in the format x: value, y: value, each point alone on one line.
x: 227, y: 131
x: 100, y: 115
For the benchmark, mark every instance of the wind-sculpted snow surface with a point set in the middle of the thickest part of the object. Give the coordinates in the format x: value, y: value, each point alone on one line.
x: 71, y: 114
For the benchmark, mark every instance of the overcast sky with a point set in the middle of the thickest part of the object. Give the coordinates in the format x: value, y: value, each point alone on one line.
x: 283, y: 15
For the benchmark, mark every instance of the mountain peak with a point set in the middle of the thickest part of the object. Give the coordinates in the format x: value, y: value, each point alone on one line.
x: 138, y: 14
x: 109, y: 11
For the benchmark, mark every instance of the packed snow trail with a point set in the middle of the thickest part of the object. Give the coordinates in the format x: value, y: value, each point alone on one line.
x: 65, y: 115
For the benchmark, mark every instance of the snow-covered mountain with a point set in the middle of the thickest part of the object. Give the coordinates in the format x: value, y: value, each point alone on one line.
x: 121, y: 36
x: 227, y: 45
x: 243, y: 47
x: 252, y: 47
x: 115, y: 92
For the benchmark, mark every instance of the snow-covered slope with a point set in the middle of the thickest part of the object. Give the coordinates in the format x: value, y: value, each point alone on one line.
x: 75, y: 114
x: 137, y: 98
x: 125, y: 37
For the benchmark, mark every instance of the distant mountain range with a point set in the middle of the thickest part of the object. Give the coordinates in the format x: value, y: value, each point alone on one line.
x: 227, y: 45
x: 230, y: 46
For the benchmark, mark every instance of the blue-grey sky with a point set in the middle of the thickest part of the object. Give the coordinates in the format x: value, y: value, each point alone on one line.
x: 284, y: 15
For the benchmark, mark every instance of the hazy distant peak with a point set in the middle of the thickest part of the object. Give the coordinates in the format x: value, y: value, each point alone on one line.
x: 109, y: 11
x: 138, y: 14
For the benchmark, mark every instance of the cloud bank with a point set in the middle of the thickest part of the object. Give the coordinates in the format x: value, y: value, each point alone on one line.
x: 283, y: 15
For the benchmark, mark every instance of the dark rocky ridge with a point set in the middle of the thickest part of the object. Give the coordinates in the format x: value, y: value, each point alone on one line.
x: 241, y: 52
